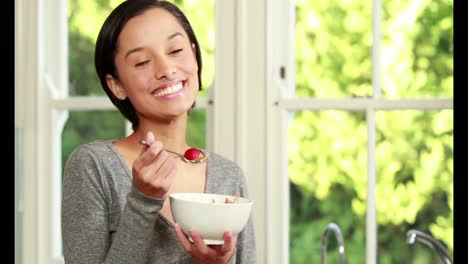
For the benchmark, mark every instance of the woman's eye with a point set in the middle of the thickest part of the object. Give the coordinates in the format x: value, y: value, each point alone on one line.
x: 141, y: 63
x: 176, y: 51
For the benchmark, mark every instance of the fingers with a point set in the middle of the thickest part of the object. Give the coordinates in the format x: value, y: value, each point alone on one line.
x: 154, y: 169
x: 161, y: 178
x: 168, y: 167
x: 150, y: 162
x: 147, y: 142
x: 150, y: 138
x: 182, y: 238
x: 149, y: 153
x: 198, y: 242
x: 155, y: 156
x: 230, y: 241
x: 152, y: 156
x: 202, y: 253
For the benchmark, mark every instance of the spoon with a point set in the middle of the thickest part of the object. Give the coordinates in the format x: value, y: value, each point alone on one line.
x: 184, y: 159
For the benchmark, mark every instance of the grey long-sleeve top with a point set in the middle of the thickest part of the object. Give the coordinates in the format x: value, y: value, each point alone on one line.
x: 107, y: 220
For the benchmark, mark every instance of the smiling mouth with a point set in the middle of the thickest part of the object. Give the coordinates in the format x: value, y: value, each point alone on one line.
x: 170, y: 90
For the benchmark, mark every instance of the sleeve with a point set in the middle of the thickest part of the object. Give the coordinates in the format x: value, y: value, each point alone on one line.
x: 85, y: 211
x: 246, y: 245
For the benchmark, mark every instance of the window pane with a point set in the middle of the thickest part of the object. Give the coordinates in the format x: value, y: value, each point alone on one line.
x: 333, y: 48
x: 414, y: 183
x: 328, y: 174
x: 85, y: 19
x: 196, y: 129
x: 200, y: 13
x: 85, y: 126
x: 417, y: 49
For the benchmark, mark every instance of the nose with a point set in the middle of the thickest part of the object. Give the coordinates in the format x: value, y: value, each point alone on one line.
x: 164, y: 69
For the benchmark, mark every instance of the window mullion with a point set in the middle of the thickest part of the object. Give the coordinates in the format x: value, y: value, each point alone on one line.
x: 371, y: 210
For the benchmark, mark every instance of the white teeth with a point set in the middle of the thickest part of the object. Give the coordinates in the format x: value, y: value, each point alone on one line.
x: 169, y: 90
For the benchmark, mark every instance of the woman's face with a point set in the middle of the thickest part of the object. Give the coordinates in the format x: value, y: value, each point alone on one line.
x: 156, y: 65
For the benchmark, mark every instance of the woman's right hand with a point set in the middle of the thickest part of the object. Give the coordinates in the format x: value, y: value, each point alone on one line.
x: 207, y: 254
x: 154, y: 169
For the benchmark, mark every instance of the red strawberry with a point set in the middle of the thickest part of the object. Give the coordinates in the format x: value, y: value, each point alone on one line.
x: 193, y: 154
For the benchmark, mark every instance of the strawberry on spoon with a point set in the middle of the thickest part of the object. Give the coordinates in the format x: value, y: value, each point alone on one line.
x: 192, y: 155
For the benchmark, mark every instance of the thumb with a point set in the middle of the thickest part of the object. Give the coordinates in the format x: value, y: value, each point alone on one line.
x: 150, y: 138
x: 148, y: 142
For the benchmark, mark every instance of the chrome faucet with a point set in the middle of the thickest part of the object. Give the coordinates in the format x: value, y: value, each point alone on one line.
x: 339, y: 237
x: 414, y: 235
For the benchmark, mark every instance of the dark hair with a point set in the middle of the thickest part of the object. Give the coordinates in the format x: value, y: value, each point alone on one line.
x: 106, y: 46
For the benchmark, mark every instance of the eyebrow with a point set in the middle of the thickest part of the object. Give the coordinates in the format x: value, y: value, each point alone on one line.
x: 141, y: 48
x: 174, y: 35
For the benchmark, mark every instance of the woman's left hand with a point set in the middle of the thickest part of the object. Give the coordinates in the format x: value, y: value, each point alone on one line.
x: 207, y: 254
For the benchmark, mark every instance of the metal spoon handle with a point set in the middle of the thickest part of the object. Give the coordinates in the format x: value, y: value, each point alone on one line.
x: 179, y: 155
x: 184, y: 159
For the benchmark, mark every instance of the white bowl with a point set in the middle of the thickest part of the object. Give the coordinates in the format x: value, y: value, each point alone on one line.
x: 209, y: 215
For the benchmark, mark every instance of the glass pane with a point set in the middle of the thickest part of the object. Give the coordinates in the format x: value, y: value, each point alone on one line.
x: 196, y: 129
x: 333, y: 48
x: 328, y: 174
x: 417, y: 49
x: 85, y: 126
x: 85, y: 19
x: 201, y: 13
x: 414, y: 183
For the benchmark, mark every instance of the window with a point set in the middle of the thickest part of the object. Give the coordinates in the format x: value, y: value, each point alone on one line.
x: 370, y: 129
x: 338, y: 111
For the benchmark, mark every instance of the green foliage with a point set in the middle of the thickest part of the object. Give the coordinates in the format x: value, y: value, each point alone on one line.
x: 418, y: 38
x: 84, y: 20
x: 333, y: 48
x: 83, y: 78
x: 196, y: 129
x: 327, y: 149
x: 84, y: 127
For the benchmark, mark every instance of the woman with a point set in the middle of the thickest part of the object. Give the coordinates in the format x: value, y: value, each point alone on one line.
x: 114, y: 201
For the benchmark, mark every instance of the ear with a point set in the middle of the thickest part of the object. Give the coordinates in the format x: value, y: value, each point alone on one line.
x: 116, y: 87
x: 194, y: 52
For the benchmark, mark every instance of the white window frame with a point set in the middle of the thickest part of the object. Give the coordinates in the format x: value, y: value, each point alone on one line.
x: 246, y: 120
x: 280, y: 46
